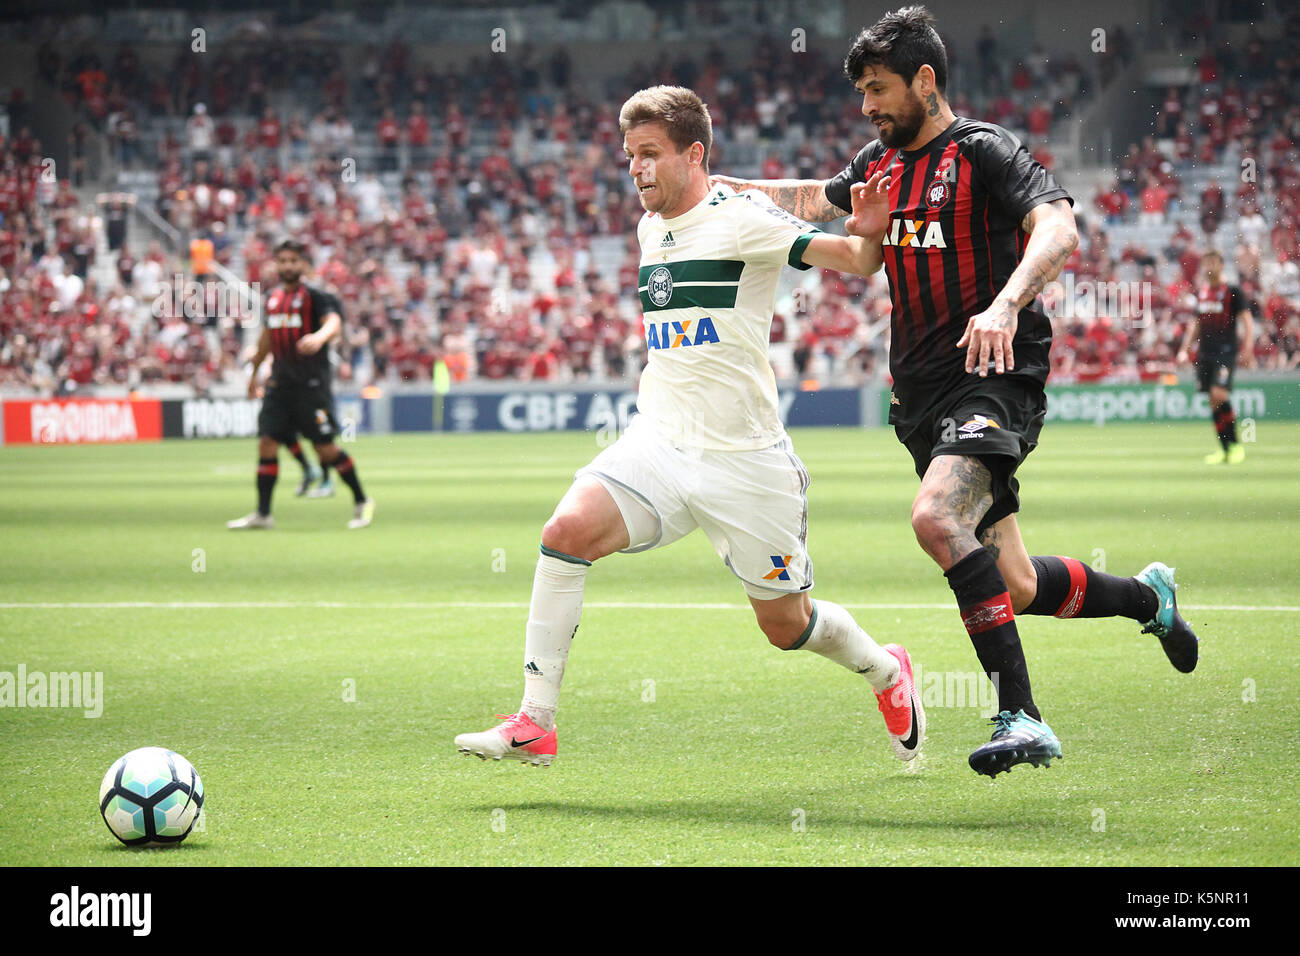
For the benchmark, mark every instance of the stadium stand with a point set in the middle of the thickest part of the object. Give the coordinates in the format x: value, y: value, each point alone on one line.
x: 483, y: 216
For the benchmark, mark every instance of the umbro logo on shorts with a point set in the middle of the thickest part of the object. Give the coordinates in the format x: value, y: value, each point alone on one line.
x: 975, y: 427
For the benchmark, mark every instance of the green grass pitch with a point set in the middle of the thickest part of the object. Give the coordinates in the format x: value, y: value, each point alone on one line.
x: 316, y: 676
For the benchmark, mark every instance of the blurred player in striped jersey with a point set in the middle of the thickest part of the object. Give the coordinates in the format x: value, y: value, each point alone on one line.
x: 1222, y: 317
x: 300, y: 322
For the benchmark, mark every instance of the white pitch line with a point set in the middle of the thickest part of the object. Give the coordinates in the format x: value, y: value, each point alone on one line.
x: 504, y: 605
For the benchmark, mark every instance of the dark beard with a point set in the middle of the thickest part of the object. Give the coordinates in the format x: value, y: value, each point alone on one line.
x: 903, y: 129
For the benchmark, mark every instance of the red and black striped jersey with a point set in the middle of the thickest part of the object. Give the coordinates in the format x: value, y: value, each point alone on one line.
x: 1217, y: 307
x: 954, y: 239
x: 288, y: 317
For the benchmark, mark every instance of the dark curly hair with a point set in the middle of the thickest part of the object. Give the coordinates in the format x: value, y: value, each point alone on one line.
x: 902, y: 42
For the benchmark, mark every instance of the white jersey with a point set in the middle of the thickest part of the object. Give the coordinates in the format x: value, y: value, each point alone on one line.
x: 708, y: 287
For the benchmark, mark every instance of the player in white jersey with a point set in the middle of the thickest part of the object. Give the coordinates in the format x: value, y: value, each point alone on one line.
x: 708, y: 449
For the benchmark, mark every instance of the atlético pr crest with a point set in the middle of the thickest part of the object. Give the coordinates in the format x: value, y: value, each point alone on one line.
x: 937, y: 194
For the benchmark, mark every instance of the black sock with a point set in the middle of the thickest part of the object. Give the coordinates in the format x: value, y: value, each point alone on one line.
x: 324, y: 471
x: 986, y: 611
x: 1225, y: 424
x: 1069, y: 588
x: 268, y: 469
x: 296, y: 450
x: 348, y: 472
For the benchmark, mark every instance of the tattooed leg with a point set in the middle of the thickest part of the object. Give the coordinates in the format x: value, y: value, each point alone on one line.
x: 955, y: 494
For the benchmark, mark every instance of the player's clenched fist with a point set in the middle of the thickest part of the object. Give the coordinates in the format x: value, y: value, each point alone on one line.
x: 989, y: 334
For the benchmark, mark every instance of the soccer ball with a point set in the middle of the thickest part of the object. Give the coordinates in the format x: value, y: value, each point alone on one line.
x: 151, y: 797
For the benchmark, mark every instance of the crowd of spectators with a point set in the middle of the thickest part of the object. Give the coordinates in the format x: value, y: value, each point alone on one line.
x: 482, y: 217
x: 1237, y: 137
x: 60, y: 330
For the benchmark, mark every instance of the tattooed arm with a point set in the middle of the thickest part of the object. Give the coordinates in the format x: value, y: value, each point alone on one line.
x: 803, y: 198
x: 1052, y: 237
x: 859, y: 252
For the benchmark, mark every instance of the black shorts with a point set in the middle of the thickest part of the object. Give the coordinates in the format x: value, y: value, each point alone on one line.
x: 994, y: 419
x: 1215, y: 370
x: 292, y: 410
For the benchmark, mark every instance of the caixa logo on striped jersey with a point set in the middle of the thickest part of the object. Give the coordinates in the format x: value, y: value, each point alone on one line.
x: 673, y: 335
x: 917, y: 233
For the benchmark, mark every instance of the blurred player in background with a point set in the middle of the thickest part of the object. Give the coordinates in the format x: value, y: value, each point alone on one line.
x: 976, y: 228
x: 1222, y: 319
x: 300, y: 322
x: 708, y: 449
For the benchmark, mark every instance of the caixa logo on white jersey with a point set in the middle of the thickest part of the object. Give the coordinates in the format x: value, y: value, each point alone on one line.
x: 675, y: 335
x: 917, y: 233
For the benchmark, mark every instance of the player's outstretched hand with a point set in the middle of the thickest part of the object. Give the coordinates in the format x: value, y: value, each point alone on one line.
x: 870, y: 218
x: 990, y: 334
x: 309, y: 344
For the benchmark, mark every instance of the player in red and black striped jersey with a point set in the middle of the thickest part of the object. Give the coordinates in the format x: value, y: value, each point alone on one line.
x: 1222, y: 312
x: 299, y: 324
x: 953, y: 240
x: 972, y: 230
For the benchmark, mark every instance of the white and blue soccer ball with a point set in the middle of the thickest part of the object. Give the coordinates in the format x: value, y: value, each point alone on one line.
x: 151, y: 797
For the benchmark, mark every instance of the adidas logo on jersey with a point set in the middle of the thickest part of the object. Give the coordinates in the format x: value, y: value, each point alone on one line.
x: 668, y: 242
x: 673, y: 335
x: 907, y: 232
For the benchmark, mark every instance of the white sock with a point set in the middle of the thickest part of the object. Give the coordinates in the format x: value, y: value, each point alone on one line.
x: 835, y: 635
x: 553, y: 616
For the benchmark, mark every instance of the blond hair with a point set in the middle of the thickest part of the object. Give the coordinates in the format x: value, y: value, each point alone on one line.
x: 681, y: 111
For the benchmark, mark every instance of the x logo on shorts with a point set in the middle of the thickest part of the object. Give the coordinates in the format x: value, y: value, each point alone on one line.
x: 780, y: 568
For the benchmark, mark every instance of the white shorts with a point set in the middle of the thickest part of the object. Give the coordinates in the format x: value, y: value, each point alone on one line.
x: 753, y: 505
